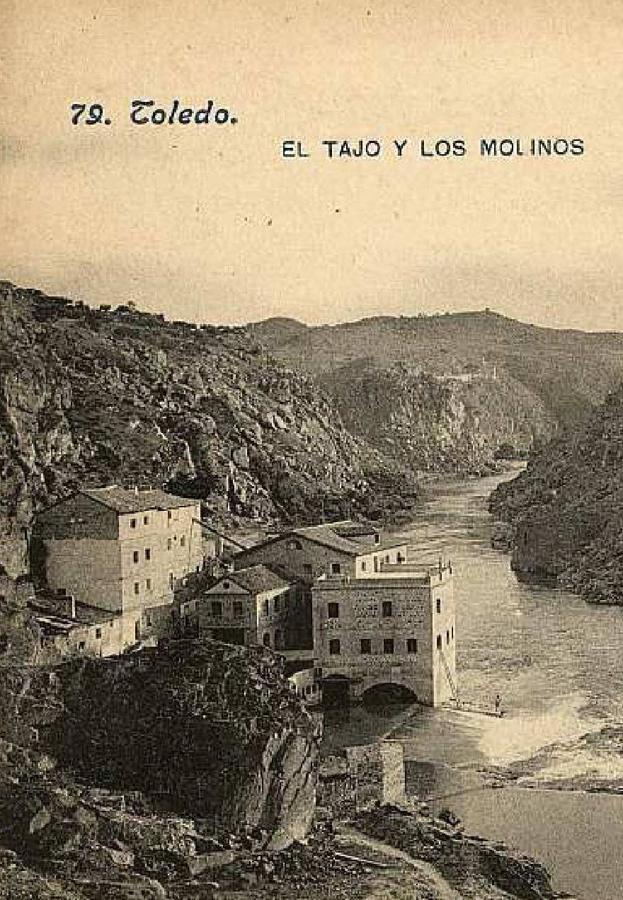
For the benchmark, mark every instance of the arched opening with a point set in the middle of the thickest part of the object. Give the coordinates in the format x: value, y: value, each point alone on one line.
x: 389, y: 693
x: 335, y: 690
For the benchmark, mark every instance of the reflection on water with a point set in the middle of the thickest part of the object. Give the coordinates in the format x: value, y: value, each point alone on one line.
x: 557, y: 663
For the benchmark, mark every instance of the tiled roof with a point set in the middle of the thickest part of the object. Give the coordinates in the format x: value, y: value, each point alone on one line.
x: 124, y: 500
x: 324, y: 534
x: 327, y: 536
x: 256, y: 579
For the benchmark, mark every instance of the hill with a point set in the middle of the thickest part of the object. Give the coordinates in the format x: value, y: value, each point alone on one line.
x: 564, y: 512
x: 442, y: 392
x: 98, y: 396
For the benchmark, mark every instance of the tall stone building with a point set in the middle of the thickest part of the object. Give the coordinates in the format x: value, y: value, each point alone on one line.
x: 392, y: 627
x: 119, y: 550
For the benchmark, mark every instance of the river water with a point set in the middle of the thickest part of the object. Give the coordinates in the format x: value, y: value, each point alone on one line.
x: 557, y: 663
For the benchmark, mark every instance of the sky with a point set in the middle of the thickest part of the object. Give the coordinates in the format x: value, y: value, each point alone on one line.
x: 211, y: 223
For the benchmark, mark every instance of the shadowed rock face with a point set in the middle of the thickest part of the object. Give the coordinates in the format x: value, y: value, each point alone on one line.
x: 564, y: 512
x: 117, y: 772
x: 208, y: 729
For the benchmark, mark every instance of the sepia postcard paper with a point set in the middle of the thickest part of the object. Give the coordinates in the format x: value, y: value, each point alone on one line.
x: 311, y: 450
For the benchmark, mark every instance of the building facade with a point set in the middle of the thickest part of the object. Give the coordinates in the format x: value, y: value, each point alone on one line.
x: 393, y: 627
x: 119, y: 550
x: 338, y: 548
x: 249, y: 606
x: 305, y: 554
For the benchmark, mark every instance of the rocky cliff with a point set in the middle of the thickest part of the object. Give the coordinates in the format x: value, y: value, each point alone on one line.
x: 96, y: 396
x: 563, y: 513
x: 118, y: 776
x: 442, y: 393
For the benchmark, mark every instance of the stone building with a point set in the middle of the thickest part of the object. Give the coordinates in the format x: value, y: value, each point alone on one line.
x: 361, y: 776
x: 336, y: 548
x: 394, y: 627
x: 69, y: 628
x: 303, y: 555
x: 249, y: 606
x: 119, y: 550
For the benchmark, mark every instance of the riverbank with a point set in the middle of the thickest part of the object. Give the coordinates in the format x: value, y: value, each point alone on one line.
x: 557, y: 663
x: 382, y: 852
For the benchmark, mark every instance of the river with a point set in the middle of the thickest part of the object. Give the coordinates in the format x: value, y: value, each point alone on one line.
x: 557, y: 663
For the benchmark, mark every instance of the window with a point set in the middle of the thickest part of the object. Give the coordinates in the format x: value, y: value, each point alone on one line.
x: 307, y: 569
x: 452, y: 632
x: 387, y: 609
x: 217, y: 608
x: 148, y: 584
x: 238, y: 609
x: 438, y: 604
x: 333, y: 610
x: 135, y: 556
x: 439, y: 642
x: 363, y: 566
x: 411, y: 645
x: 148, y: 553
x: 388, y: 645
x: 366, y: 645
x: 295, y: 545
x: 336, y: 568
x: 81, y: 645
x: 377, y: 538
x: 334, y: 647
x: 266, y: 607
x: 447, y: 637
x: 137, y: 587
x: 132, y: 523
x: 98, y: 633
x: 183, y: 541
x: 277, y: 604
x: 169, y: 515
x: 171, y: 580
x: 387, y: 558
x: 145, y: 520
x: 266, y: 640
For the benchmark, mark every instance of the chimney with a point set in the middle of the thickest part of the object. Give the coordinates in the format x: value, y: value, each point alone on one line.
x: 70, y: 606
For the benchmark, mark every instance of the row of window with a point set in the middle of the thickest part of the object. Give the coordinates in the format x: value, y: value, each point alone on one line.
x: 216, y: 608
x: 449, y: 636
x: 365, y: 646
x: 136, y: 555
x: 148, y: 585
x: 134, y: 522
x: 387, y: 610
x: 279, y: 604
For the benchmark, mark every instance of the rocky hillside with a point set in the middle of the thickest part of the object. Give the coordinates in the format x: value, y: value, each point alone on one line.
x: 99, y: 396
x: 443, y: 392
x: 123, y: 775
x: 564, y: 513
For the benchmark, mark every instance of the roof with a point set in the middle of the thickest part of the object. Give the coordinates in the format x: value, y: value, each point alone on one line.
x: 124, y: 500
x: 327, y: 536
x: 256, y: 579
x: 51, y: 619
